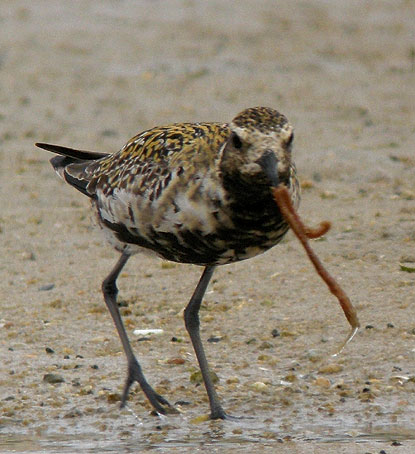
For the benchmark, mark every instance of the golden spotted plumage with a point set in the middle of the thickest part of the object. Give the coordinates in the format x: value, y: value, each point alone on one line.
x: 162, y: 147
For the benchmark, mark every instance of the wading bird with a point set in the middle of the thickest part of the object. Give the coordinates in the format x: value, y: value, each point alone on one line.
x: 196, y: 193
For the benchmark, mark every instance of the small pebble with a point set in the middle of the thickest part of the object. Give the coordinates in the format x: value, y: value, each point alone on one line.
x: 390, y: 325
x: 196, y: 377
x: 94, y: 366
x: 275, y: 333
x: 408, y: 269
x: 306, y: 184
x: 265, y: 345
x: 330, y: 369
x: 113, y: 397
x: 328, y: 195
x: 214, y: 339
x: 313, y: 356
x: 176, y: 361
x: 200, y: 419
x: 264, y: 358
x: 291, y: 378
x: 259, y: 386
x: 109, y: 133
x: 317, y: 177
x: 396, y: 443
x: 46, y: 287
x: 369, y: 327
x: 49, y: 350
x: 233, y: 379
x: 53, y: 378
x: 407, y: 258
x: 322, y: 382
x: 147, y: 332
x: 85, y: 390
x: 289, y: 333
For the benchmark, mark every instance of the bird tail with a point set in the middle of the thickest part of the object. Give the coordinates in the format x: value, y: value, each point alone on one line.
x: 71, y: 164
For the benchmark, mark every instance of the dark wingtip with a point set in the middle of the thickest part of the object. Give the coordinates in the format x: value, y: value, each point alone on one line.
x: 54, y: 148
x: 79, y: 155
x: 41, y: 145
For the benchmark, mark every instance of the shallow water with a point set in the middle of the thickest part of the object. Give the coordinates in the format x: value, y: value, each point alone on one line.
x: 166, y: 434
x: 212, y: 442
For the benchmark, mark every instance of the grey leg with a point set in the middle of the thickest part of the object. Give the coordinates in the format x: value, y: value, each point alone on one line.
x: 191, y: 318
x: 109, y: 289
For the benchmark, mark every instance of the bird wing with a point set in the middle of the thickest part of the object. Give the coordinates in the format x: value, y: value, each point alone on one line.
x: 144, y: 161
x: 70, y: 158
x: 78, y: 155
x: 149, y: 158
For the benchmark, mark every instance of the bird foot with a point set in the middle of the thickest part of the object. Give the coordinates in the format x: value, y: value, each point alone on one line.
x: 159, y: 403
x: 227, y: 417
x: 220, y: 413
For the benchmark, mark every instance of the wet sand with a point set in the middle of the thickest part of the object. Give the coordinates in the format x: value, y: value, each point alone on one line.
x: 93, y: 74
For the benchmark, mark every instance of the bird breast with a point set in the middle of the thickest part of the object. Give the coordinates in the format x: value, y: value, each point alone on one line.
x: 191, y: 220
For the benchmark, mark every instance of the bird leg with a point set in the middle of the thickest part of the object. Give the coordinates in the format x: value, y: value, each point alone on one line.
x: 191, y: 318
x: 135, y: 374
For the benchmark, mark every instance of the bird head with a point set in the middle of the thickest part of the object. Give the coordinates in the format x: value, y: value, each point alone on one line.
x: 258, y: 150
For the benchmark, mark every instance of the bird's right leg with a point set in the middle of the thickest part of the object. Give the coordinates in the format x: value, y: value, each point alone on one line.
x: 110, y: 290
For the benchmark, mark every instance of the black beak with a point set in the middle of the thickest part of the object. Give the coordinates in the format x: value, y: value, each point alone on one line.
x: 268, y: 163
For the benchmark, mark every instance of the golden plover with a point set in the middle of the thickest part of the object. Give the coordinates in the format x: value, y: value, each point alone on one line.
x: 197, y: 193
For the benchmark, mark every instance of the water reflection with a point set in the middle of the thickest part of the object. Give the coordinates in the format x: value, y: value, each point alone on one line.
x: 213, y: 437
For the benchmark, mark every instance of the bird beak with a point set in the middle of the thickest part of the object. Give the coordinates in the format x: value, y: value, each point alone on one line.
x: 269, y: 165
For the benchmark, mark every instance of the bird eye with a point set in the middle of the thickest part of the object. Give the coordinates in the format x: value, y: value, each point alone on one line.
x: 236, y: 141
x: 290, y: 140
